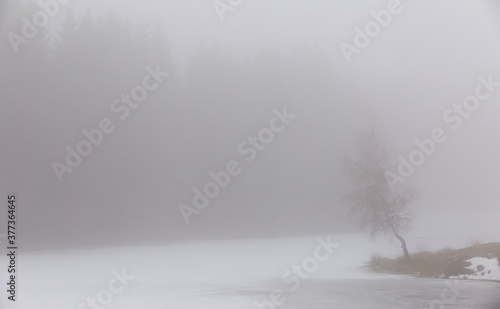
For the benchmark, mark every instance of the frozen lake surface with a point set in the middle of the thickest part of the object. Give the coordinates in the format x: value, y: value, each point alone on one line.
x: 315, y: 272
x: 394, y: 293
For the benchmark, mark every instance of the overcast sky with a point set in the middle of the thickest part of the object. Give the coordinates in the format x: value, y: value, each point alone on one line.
x: 430, y: 56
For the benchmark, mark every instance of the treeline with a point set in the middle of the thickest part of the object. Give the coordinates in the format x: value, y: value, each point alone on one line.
x: 67, y: 75
x: 86, y: 59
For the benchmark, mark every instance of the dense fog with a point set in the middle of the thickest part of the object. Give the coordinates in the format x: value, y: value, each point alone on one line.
x: 216, y: 79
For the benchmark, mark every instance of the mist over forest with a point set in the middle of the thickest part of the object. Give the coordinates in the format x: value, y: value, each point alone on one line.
x: 220, y: 82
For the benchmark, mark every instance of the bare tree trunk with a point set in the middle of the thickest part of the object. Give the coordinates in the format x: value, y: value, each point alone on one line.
x: 401, y: 240
x: 403, y: 245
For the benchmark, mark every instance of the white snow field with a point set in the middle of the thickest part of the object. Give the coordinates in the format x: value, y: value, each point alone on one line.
x: 224, y: 274
x: 484, y: 269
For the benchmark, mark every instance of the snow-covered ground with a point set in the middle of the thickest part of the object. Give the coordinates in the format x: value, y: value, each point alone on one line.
x: 215, y: 274
x: 484, y: 269
x: 180, y: 273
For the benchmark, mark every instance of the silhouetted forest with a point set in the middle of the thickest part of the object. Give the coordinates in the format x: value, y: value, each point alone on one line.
x: 78, y: 66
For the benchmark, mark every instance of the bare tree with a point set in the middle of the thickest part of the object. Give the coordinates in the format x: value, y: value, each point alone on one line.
x: 382, y: 207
